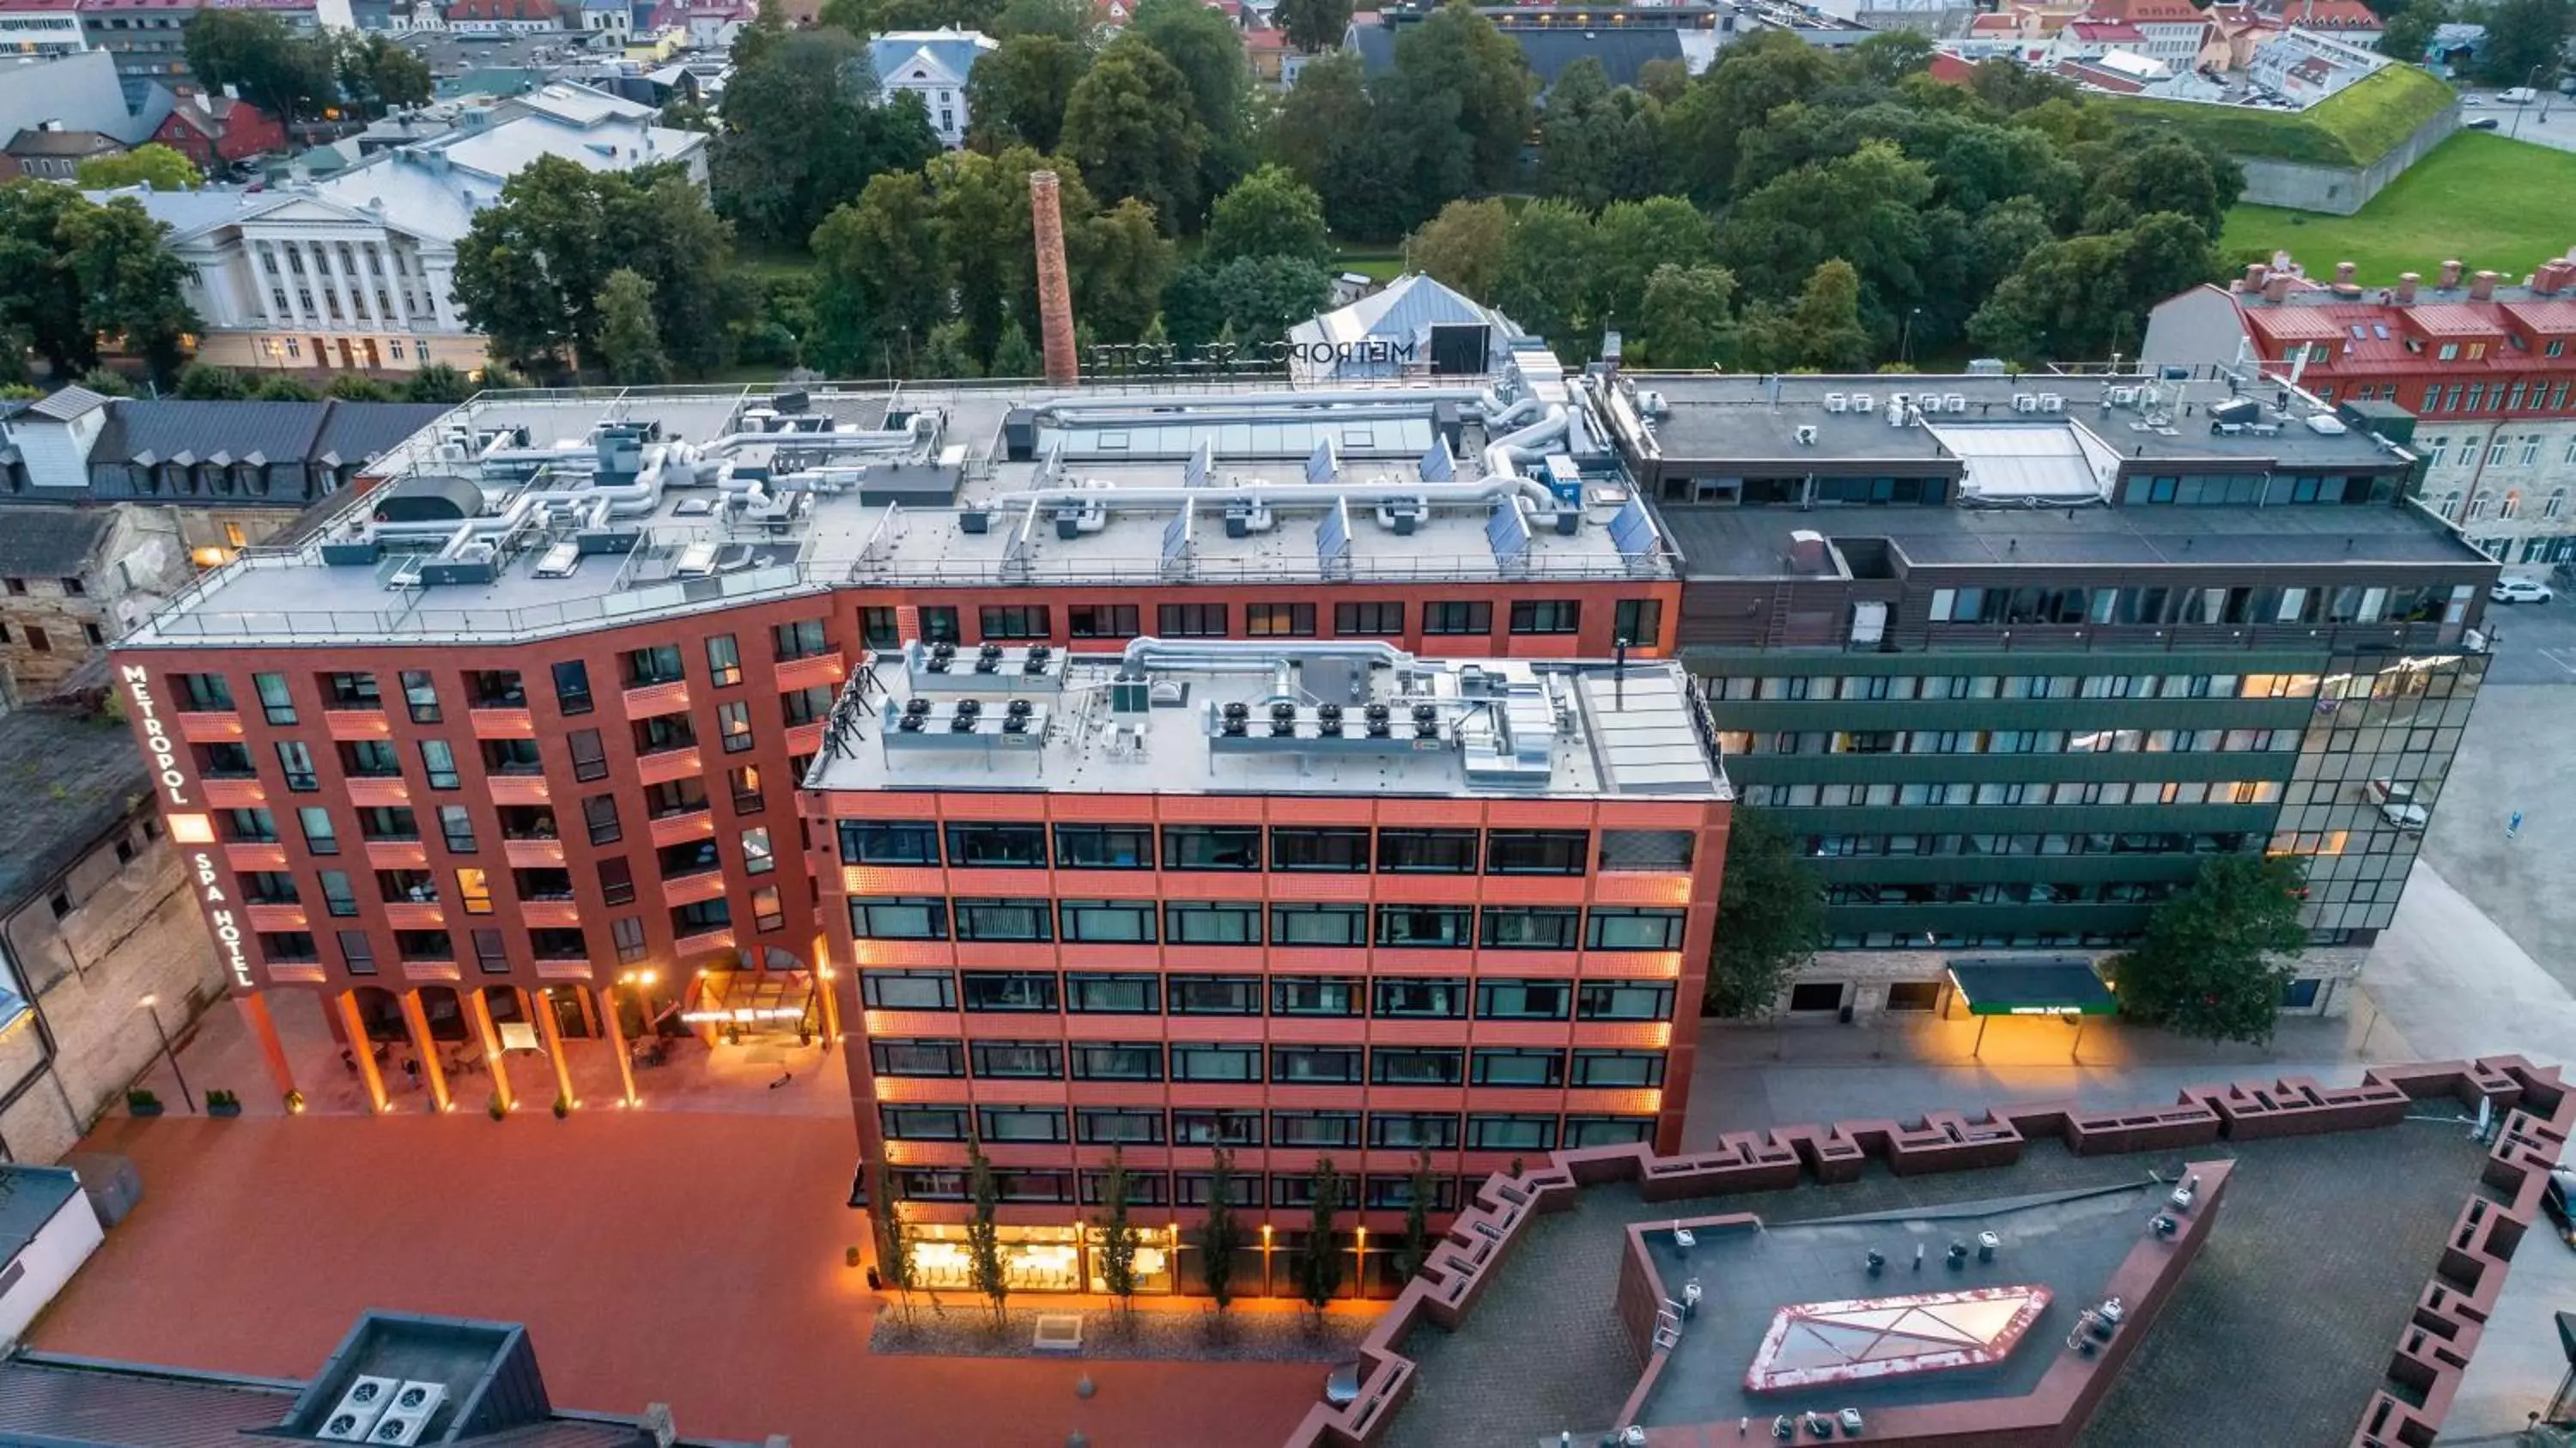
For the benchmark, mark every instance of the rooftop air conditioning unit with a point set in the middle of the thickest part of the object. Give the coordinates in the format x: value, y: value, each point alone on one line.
x: 1806, y: 436
x: 2124, y: 397
x: 1654, y: 404
x: 1836, y: 402
x: 1863, y: 402
x: 407, y: 1418
x: 359, y: 1408
x: 1954, y: 402
x: 2025, y: 402
x: 2052, y: 402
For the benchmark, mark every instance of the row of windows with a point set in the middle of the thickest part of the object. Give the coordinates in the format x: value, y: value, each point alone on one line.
x: 1328, y: 849
x: 2479, y: 396
x: 1876, y: 687
x: 1253, y: 1191
x: 1238, y: 922
x: 1287, y: 1130
x: 1865, y: 846
x: 1830, y: 796
x: 1639, y: 620
x: 494, y: 688
x: 2270, y: 490
x: 1288, y: 1065
x: 473, y: 888
x: 600, y: 818
x: 2148, y: 607
x: 1386, y: 998
x: 2500, y: 450
x: 2134, y: 892
x: 2012, y: 741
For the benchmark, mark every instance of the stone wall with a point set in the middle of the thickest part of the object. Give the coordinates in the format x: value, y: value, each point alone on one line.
x: 2341, y: 190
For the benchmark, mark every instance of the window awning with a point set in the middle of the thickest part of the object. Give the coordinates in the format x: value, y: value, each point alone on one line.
x: 2032, y: 988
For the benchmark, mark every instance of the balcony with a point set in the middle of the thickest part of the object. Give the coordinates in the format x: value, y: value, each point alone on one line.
x: 415, y: 915
x: 707, y: 884
x: 533, y: 854
x: 372, y: 790
x: 210, y: 728
x: 805, y: 738
x: 679, y: 829
x: 550, y: 914
x: 705, y: 942
x: 563, y: 969
x: 355, y: 725
x: 275, y: 917
x: 397, y: 855
x: 303, y: 972
x: 235, y: 793
x: 247, y: 856
x: 668, y: 765
x: 500, y: 723
x: 645, y: 701
x: 804, y: 673
x: 423, y: 972
x: 516, y: 788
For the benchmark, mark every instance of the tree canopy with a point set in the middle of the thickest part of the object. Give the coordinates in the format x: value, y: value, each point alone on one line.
x: 264, y: 60
x: 1269, y: 213
x: 153, y: 165
x: 1131, y: 125
x: 73, y: 271
x: 804, y: 131
x: 1017, y: 94
x: 1770, y: 917
x: 1313, y: 25
x: 2215, y: 958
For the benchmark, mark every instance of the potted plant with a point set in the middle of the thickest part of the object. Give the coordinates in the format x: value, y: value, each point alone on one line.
x: 220, y: 1102
x: 294, y: 1103
x: 143, y: 1103
x: 492, y: 1106
x: 563, y: 1107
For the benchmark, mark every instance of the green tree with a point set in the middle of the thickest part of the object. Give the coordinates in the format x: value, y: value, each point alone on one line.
x: 1062, y: 19
x: 1630, y: 239
x: 437, y: 382
x: 950, y: 351
x: 1596, y: 144
x: 379, y: 73
x: 2407, y: 32
x: 1130, y: 125
x: 804, y: 131
x: 42, y: 302
x: 2165, y: 174
x: 1017, y: 94
x: 264, y: 60
x: 131, y: 284
x: 1415, y: 1246
x: 1207, y: 49
x: 894, y: 1237
x: 1220, y: 1236
x: 1313, y: 25
x: 1013, y: 356
x: 1686, y: 315
x: 152, y: 164
x: 1890, y: 56
x: 1318, y: 1263
x: 106, y: 382
x: 357, y: 387
x: 1731, y: 101
x: 1252, y: 298
x: 201, y: 383
x: 882, y: 279
x: 2012, y: 87
x: 680, y: 113
x: 279, y: 387
x: 1121, y: 262
x: 2087, y: 296
x: 1118, y: 1238
x: 1465, y: 246
x: 630, y: 343
x: 2522, y: 35
x: 1269, y: 213
x: 1546, y: 281
x: 1457, y: 52
x: 1866, y: 209
x: 984, y: 1265
x: 1770, y: 917
x: 2215, y: 957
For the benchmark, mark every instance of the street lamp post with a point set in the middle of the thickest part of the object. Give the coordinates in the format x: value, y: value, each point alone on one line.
x: 2530, y: 83
x: 152, y: 1006
x: 1905, y: 337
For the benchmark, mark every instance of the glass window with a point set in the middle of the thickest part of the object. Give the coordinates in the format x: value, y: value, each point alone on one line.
x: 904, y: 1057
x: 1531, y: 928
x: 439, y: 763
x: 357, y: 956
x: 1019, y: 1060
x: 898, y: 917
x: 1536, y: 852
x: 1112, y: 1126
x: 939, y: 625
x: 296, y: 762
x: 733, y: 725
x: 1214, y: 995
x: 1367, y: 620
x: 1104, y: 847
x: 1519, y: 1066
x: 1107, y: 922
x: 1191, y: 620
x: 1547, y: 616
x: 1426, y: 927
x: 474, y: 890
x: 996, y: 845
x: 1524, y: 1000
x: 1623, y: 1001
x: 922, y: 1123
x: 1417, y: 1065
x: 1008, y: 990
x: 1336, y: 848
x: 1618, y: 1068
x: 420, y: 694
x: 1412, y: 1130
x: 589, y: 755
x: 1279, y: 620
x: 1638, y: 621
x: 1319, y: 925
x: 1103, y: 621
x: 1656, y: 851
x: 1621, y: 928
x: 1101, y: 993
x: 881, y: 842
x: 1499, y: 1132
x: 1458, y: 618
x: 1293, y: 1129
x: 274, y: 700
x: 1426, y: 852
x: 1211, y: 847
x: 1315, y: 995
x: 321, y: 837
x: 660, y: 664
x: 572, y: 687
x: 1213, y: 1128
x: 1315, y: 1065
x: 1020, y: 1123
x: 1016, y: 621
x: 724, y: 660
x: 1212, y: 922
x: 757, y: 857
x: 1581, y: 1131
x: 1433, y: 998
x: 979, y: 919
x: 1193, y: 1061
x: 351, y: 690
x: 802, y: 639
x: 599, y: 812
x: 1116, y: 1061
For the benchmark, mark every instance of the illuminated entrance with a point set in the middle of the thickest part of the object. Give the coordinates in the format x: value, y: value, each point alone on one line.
x: 1037, y: 1259
x: 768, y: 994
x: 2061, y: 988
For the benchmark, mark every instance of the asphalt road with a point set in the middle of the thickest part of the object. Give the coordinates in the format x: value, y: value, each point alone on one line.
x: 2549, y: 121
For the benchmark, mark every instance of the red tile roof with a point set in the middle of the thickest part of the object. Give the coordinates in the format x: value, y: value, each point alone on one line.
x: 1950, y: 69
x: 2548, y: 318
x: 2106, y: 30
x: 2330, y: 15
x: 2454, y: 320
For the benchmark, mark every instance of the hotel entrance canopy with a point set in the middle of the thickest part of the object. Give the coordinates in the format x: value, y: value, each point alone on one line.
x: 2032, y: 988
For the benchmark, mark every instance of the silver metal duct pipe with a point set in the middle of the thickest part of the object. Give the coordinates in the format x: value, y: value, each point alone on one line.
x: 918, y: 430
x: 1504, y: 455
x: 1211, y: 415
x: 1254, y: 655
x: 1485, y: 401
x: 626, y: 500
x: 1290, y: 495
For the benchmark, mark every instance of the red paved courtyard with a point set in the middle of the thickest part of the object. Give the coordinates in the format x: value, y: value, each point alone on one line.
x: 693, y: 1259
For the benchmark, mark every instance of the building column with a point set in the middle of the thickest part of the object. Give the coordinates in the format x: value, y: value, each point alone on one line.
x: 303, y: 288
x: 417, y: 1021
x: 831, y: 1005
x: 361, y: 1049
x: 544, y: 1010
x: 317, y: 266
x: 616, y: 1040
x: 492, y: 1059
x: 263, y: 1029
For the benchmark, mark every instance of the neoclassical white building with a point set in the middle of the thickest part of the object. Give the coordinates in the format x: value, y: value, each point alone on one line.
x: 932, y: 64
x: 358, y: 272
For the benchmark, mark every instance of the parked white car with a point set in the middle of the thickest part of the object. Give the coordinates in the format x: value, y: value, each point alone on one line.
x: 2396, y: 801
x: 2519, y: 590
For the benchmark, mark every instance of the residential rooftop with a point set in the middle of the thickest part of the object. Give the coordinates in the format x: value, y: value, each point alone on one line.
x: 70, y: 778
x: 1264, y: 717
x: 559, y: 511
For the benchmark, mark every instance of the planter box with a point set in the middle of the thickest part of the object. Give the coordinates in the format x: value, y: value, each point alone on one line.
x: 145, y: 1108
x: 226, y: 1108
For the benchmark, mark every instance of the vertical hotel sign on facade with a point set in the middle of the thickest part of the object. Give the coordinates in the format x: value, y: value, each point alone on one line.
x: 193, y: 832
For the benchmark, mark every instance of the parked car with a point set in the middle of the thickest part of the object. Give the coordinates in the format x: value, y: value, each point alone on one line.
x: 2484, y: 123
x: 2472, y: 100
x: 2521, y: 95
x: 2396, y: 801
x: 2553, y: 1202
x: 2519, y: 590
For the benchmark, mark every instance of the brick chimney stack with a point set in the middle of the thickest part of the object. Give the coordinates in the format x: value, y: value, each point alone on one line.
x: 1055, y: 289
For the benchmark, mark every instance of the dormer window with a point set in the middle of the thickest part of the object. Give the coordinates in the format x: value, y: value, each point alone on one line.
x: 2450, y: 352
x: 2557, y: 347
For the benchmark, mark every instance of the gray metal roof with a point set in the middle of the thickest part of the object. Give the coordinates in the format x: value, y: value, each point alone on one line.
x: 67, y: 404
x: 80, y: 92
x: 51, y: 542
x: 68, y: 1404
x: 70, y: 780
x: 277, y: 431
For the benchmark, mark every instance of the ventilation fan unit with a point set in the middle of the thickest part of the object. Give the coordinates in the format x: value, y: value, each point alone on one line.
x: 358, y: 1409
x: 1806, y: 436
x: 1237, y: 718
x: 943, y: 657
x: 988, y: 659
x: 962, y: 719
x: 1283, y: 720
x: 406, y: 1419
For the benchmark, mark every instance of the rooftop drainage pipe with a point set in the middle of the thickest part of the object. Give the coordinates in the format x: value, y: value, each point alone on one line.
x: 1253, y: 655
x: 1290, y: 495
x: 1485, y: 402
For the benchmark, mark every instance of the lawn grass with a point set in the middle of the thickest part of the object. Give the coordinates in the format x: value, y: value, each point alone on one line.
x: 2476, y: 198
x: 2354, y: 127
